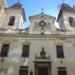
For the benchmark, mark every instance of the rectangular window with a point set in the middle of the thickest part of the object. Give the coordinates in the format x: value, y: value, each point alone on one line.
x: 11, y: 21
x: 23, y: 70
x: 62, y: 71
x: 60, y: 53
x: 25, y: 52
x: 4, y: 51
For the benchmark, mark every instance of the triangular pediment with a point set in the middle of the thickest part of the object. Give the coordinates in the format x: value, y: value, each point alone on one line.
x: 39, y: 16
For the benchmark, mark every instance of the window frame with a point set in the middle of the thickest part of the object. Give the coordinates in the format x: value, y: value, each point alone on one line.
x: 62, y: 70
x: 25, y: 52
x: 60, y: 51
x: 3, y: 52
x: 23, y: 69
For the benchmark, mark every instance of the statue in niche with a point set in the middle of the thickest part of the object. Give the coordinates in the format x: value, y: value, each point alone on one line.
x: 42, y: 55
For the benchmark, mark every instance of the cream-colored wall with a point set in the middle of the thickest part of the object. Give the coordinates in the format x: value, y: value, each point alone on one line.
x: 3, y: 5
x: 50, y: 29
x: 14, y: 59
x: 2, y: 15
x: 65, y: 19
x: 8, y: 14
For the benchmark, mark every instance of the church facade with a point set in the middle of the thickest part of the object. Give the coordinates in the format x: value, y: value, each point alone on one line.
x: 41, y: 49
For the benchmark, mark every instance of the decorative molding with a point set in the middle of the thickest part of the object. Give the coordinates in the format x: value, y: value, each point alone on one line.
x: 15, y: 40
x: 6, y: 42
x: 26, y: 42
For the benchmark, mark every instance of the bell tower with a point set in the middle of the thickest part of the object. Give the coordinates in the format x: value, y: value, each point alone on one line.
x: 66, y: 18
x: 14, y: 17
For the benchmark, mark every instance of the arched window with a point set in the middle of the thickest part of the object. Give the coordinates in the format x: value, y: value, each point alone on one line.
x: 11, y: 21
x: 71, y: 21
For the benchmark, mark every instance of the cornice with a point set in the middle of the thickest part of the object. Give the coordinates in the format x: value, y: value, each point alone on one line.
x: 37, y: 36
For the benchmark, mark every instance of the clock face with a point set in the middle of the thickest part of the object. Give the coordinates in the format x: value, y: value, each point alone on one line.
x: 42, y: 23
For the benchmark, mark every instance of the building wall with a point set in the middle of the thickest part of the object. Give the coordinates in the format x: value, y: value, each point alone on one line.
x: 12, y: 63
x: 14, y: 59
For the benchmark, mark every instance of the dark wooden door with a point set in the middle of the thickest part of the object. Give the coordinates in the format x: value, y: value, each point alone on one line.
x: 42, y: 71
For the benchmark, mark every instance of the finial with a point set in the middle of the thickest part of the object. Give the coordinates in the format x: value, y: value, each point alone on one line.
x: 59, y: 6
x: 42, y: 11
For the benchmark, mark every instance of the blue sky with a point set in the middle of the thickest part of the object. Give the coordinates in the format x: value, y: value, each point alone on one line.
x: 33, y: 7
